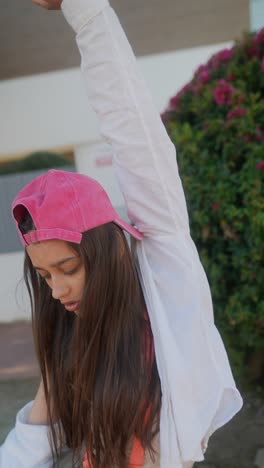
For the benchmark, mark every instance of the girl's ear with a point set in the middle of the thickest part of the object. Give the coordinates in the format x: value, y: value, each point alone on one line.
x: 120, y: 239
x: 133, y: 244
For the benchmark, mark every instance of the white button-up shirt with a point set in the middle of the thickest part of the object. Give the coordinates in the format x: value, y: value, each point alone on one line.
x: 198, y: 390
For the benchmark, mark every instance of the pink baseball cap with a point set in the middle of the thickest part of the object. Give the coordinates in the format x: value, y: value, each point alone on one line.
x: 63, y: 205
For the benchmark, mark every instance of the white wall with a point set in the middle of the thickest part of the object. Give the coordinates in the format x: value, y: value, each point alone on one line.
x: 13, y: 295
x: 52, y: 110
x: 49, y: 110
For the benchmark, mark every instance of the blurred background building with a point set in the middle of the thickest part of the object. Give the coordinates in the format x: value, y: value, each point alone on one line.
x: 43, y: 104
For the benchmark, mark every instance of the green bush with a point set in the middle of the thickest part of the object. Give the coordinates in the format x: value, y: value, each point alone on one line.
x: 35, y: 161
x: 217, y: 124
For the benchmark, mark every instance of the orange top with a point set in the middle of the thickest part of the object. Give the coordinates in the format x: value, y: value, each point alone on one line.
x: 136, y: 457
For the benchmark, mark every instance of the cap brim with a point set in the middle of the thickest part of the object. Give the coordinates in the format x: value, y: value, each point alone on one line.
x: 128, y: 228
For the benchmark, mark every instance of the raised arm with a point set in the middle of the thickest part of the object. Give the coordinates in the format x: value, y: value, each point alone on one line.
x: 144, y: 156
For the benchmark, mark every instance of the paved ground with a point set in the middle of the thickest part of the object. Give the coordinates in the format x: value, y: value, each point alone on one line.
x: 19, y: 374
x: 17, y: 359
x: 13, y: 396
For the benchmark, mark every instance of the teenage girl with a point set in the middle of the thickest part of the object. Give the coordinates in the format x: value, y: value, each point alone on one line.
x: 133, y: 369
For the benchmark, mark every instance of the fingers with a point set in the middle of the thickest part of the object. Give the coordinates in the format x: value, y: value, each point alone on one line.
x: 41, y: 3
x: 48, y: 5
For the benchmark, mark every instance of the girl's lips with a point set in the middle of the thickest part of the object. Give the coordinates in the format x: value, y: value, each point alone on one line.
x: 72, y: 306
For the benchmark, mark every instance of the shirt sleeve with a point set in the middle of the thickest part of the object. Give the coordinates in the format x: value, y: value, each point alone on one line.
x: 144, y: 156
x: 27, y: 445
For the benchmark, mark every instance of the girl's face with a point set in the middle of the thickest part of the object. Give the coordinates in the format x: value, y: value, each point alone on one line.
x: 63, y: 270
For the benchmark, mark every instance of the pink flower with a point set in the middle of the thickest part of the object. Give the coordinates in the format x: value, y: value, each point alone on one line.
x: 260, y: 166
x: 187, y: 87
x: 247, y: 137
x: 200, y: 69
x: 236, y: 113
x: 230, y: 77
x: 260, y: 134
x: 215, y: 206
x: 222, y: 56
x: 215, y: 62
x: 260, y: 36
x: 205, y: 76
x: 223, y: 93
x: 226, y: 54
x: 174, y: 101
x: 252, y: 49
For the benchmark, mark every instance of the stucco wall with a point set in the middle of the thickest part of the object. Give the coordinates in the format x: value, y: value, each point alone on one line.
x: 14, y: 301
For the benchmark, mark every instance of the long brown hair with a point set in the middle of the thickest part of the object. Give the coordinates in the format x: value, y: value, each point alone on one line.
x: 101, y: 384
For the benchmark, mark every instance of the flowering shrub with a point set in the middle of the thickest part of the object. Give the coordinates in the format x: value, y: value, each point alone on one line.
x: 217, y: 124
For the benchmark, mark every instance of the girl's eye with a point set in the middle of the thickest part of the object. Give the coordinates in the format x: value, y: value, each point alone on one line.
x: 72, y: 271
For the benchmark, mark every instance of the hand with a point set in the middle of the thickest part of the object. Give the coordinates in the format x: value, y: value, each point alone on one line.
x: 39, y: 412
x: 48, y: 4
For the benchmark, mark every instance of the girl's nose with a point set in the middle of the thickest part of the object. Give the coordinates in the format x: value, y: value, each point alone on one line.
x: 59, y: 290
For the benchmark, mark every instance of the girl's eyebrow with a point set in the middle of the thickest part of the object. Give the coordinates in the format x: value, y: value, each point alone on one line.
x: 59, y: 263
